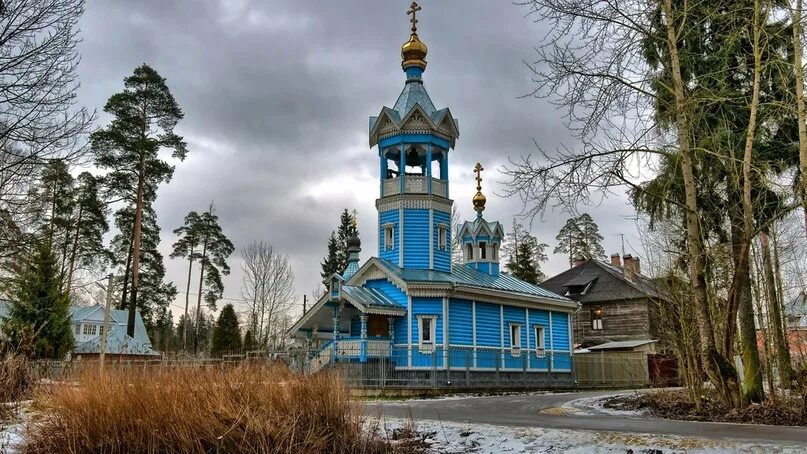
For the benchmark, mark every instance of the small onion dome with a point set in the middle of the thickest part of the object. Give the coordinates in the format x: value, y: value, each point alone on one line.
x: 413, y: 52
x: 354, y: 243
x: 479, y: 201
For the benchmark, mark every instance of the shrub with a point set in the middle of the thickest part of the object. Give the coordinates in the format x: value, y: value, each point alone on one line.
x: 264, y: 409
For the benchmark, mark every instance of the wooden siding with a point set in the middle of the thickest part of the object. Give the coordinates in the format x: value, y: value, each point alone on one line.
x: 460, y: 317
x: 427, y: 306
x: 488, y: 325
x: 388, y: 217
x: 621, y: 320
x: 416, y: 234
x: 397, y: 295
x: 540, y: 318
x: 518, y: 315
x: 442, y: 258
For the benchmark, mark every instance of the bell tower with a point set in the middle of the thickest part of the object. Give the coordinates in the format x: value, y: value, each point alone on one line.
x: 414, y: 139
x: 480, y: 240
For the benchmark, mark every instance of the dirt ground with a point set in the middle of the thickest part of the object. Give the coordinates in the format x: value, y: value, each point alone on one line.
x: 786, y: 411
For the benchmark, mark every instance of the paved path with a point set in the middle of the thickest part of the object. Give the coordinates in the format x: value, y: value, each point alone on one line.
x: 526, y: 411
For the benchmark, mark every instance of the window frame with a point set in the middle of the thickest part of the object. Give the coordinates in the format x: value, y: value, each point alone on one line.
x: 596, y: 318
x: 515, y: 340
x: 89, y: 329
x: 539, y: 331
x: 483, y: 250
x: 389, y: 237
x: 442, y: 237
x: 427, y: 346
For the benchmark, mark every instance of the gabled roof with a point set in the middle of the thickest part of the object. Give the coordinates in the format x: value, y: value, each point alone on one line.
x: 611, y: 283
x: 117, y: 317
x: 117, y: 343
x: 480, y: 226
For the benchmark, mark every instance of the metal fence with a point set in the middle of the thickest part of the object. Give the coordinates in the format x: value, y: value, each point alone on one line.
x: 385, y: 366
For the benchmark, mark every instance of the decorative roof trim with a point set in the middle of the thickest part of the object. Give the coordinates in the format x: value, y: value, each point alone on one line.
x: 513, y: 297
x: 414, y: 201
x: 307, y: 316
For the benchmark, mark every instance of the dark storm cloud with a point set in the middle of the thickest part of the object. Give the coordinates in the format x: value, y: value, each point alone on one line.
x: 277, y: 96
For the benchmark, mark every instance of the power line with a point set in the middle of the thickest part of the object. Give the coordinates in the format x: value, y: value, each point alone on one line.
x: 222, y: 298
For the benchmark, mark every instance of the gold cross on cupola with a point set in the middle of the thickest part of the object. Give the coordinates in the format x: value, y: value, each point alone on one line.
x: 479, y: 198
x: 413, y: 9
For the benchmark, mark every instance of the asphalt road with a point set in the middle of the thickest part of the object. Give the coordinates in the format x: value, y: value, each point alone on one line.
x: 526, y: 411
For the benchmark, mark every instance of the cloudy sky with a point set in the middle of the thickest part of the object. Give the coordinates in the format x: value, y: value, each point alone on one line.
x: 277, y: 94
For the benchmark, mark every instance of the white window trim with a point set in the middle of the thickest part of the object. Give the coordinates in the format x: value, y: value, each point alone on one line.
x: 442, y: 237
x: 389, y: 236
x: 515, y: 341
x: 428, y: 346
x: 596, y: 323
x: 540, y: 340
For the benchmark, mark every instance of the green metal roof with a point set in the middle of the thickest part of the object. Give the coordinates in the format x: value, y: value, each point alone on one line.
x: 463, y: 275
x: 370, y: 297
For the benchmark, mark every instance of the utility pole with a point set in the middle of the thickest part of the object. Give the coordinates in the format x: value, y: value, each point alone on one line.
x: 106, y: 318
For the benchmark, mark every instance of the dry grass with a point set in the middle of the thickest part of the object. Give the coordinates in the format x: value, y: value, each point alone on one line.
x: 16, y: 379
x: 16, y: 383
x: 261, y: 409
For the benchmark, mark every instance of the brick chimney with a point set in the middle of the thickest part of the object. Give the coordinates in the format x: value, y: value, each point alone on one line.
x: 579, y: 260
x: 616, y: 261
x: 631, y: 265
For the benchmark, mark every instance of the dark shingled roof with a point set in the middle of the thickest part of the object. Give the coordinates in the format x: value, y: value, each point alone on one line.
x: 610, y: 283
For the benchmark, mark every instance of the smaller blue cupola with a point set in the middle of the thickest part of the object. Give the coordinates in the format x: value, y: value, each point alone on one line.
x: 480, y: 240
x: 353, y: 250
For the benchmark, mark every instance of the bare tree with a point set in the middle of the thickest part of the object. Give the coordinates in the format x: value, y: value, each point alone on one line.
x: 267, y: 290
x: 615, y: 67
x: 39, y: 120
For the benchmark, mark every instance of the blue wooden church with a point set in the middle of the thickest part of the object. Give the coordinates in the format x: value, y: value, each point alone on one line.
x: 410, y: 307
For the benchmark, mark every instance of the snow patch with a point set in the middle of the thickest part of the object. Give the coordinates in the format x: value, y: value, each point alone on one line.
x: 454, y: 438
x: 594, y: 405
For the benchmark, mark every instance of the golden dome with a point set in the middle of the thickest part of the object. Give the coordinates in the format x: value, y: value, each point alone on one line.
x: 479, y: 201
x: 413, y: 52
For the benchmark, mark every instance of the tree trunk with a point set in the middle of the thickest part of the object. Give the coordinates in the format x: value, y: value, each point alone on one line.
x: 138, y: 224
x: 796, y: 17
x: 720, y: 370
x: 202, y: 261
x: 187, y: 302
x: 126, y: 274
x: 775, y: 313
x: 753, y: 390
x: 72, y: 266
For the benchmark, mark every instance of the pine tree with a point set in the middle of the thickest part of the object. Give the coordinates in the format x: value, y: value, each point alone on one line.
x: 155, y: 293
x: 186, y: 247
x: 580, y: 237
x: 249, y: 341
x: 89, y: 227
x: 145, y: 114
x: 524, y: 255
x: 590, y: 237
x: 226, y: 335
x: 347, y: 227
x: 332, y: 262
x: 215, y: 248
x: 39, y: 320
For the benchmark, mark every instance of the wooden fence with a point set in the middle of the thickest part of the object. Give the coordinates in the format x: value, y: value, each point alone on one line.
x: 611, y: 369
